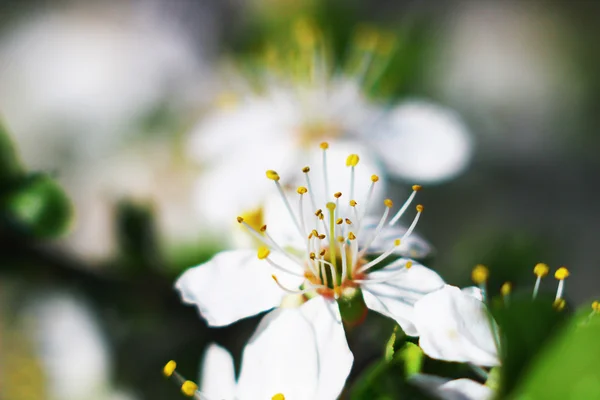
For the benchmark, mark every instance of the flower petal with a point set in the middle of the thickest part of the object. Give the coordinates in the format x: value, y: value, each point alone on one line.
x: 467, y: 389
x: 455, y: 326
x: 395, y: 297
x: 234, y: 285
x: 218, y: 375
x: 435, y: 144
x: 301, y: 353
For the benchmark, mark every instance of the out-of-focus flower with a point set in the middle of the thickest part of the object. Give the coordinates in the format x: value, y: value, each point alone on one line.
x: 73, y: 352
x: 335, y: 252
x: 300, y: 99
x: 457, y: 389
x: 295, y: 353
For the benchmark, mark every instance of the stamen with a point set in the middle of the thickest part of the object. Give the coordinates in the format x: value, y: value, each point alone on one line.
x: 302, y: 291
x: 374, y: 179
x: 344, y: 263
x: 352, y: 162
x: 188, y: 388
x: 540, y: 270
x: 275, y: 178
x: 325, y: 146
x: 505, y: 290
x: 480, y: 276
x: 400, y: 271
x: 401, y: 211
x: 561, y: 274
x: 301, y: 191
x: 559, y: 304
x: 278, y: 396
x: 380, y: 258
x: 412, y: 226
x: 309, y: 186
x: 388, y: 203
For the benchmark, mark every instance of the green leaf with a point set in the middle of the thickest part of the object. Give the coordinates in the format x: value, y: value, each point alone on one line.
x: 413, y: 358
x: 526, y: 325
x: 10, y: 166
x: 567, y: 368
x: 39, y: 207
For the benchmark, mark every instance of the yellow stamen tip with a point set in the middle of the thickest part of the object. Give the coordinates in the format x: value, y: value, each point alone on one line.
x: 301, y: 190
x: 263, y: 252
x: 374, y: 178
x: 169, y: 368
x: 397, y: 242
x: 351, y: 236
x: 278, y: 396
x: 352, y: 203
x: 340, y: 239
x: 324, y: 145
x: 322, y: 252
x: 330, y: 206
x: 318, y: 212
x: 348, y: 221
x: 306, y: 169
x: 388, y: 203
x: 272, y: 175
x: 561, y: 274
x: 506, y: 288
x: 312, y: 256
x: 339, y: 221
x: 559, y: 304
x: 416, y: 188
x: 322, y: 236
x: 420, y: 208
x: 541, y: 270
x: 596, y: 306
x: 240, y: 219
x: 408, y: 265
x: 352, y: 160
x: 189, y: 388
x: 274, y: 278
x: 480, y: 274
x: 263, y: 228
x: 337, y: 195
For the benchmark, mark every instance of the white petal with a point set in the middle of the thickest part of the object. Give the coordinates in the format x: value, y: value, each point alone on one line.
x: 396, y: 297
x: 233, y: 285
x: 301, y: 353
x: 455, y: 327
x: 424, y: 142
x: 412, y: 247
x: 473, y: 291
x: 467, y: 389
x: 218, y: 375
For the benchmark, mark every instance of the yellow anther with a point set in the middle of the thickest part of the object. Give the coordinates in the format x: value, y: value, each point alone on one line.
x: 306, y: 169
x: 340, y: 239
x: 388, y: 203
x: 272, y: 175
x: 321, y: 216
x: 240, y: 219
x: 397, y: 242
x: 352, y: 203
x: 315, y: 233
x: 312, y: 256
x: 351, y: 236
x: 408, y: 265
x: 352, y: 160
x: 562, y: 273
x: 559, y: 304
x: 263, y: 252
x: 506, y: 288
x: 420, y: 208
x: 189, y: 388
x: 339, y: 221
x: 169, y: 368
x: 324, y: 145
x: 274, y: 278
x: 322, y: 252
x: 301, y: 190
x: 278, y: 396
x: 480, y: 274
x: 416, y: 188
x: 322, y: 236
x: 337, y: 195
x: 541, y: 270
x: 318, y: 212
x: 596, y: 306
x: 374, y: 178
x: 330, y: 206
x: 263, y: 228
x: 348, y: 221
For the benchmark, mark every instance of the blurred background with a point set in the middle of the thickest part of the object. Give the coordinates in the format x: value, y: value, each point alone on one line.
x: 128, y: 129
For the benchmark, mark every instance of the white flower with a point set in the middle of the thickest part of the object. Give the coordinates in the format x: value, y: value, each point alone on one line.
x: 274, y: 127
x: 456, y: 326
x: 457, y: 389
x: 336, y: 251
x: 295, y: 354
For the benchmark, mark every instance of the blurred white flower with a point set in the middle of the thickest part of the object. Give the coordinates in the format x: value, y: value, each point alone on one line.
x: 296, y: 353
x: 456, y: 326
x: 457, y: 389
x: 73, y: 351
x: 325, y: 246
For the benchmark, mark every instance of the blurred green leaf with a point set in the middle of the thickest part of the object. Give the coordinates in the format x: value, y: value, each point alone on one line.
x: 10, y: 165
x: 39, y: 207
x: 413, y: 358
x: 567, y: 368
x: 526, y: 325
